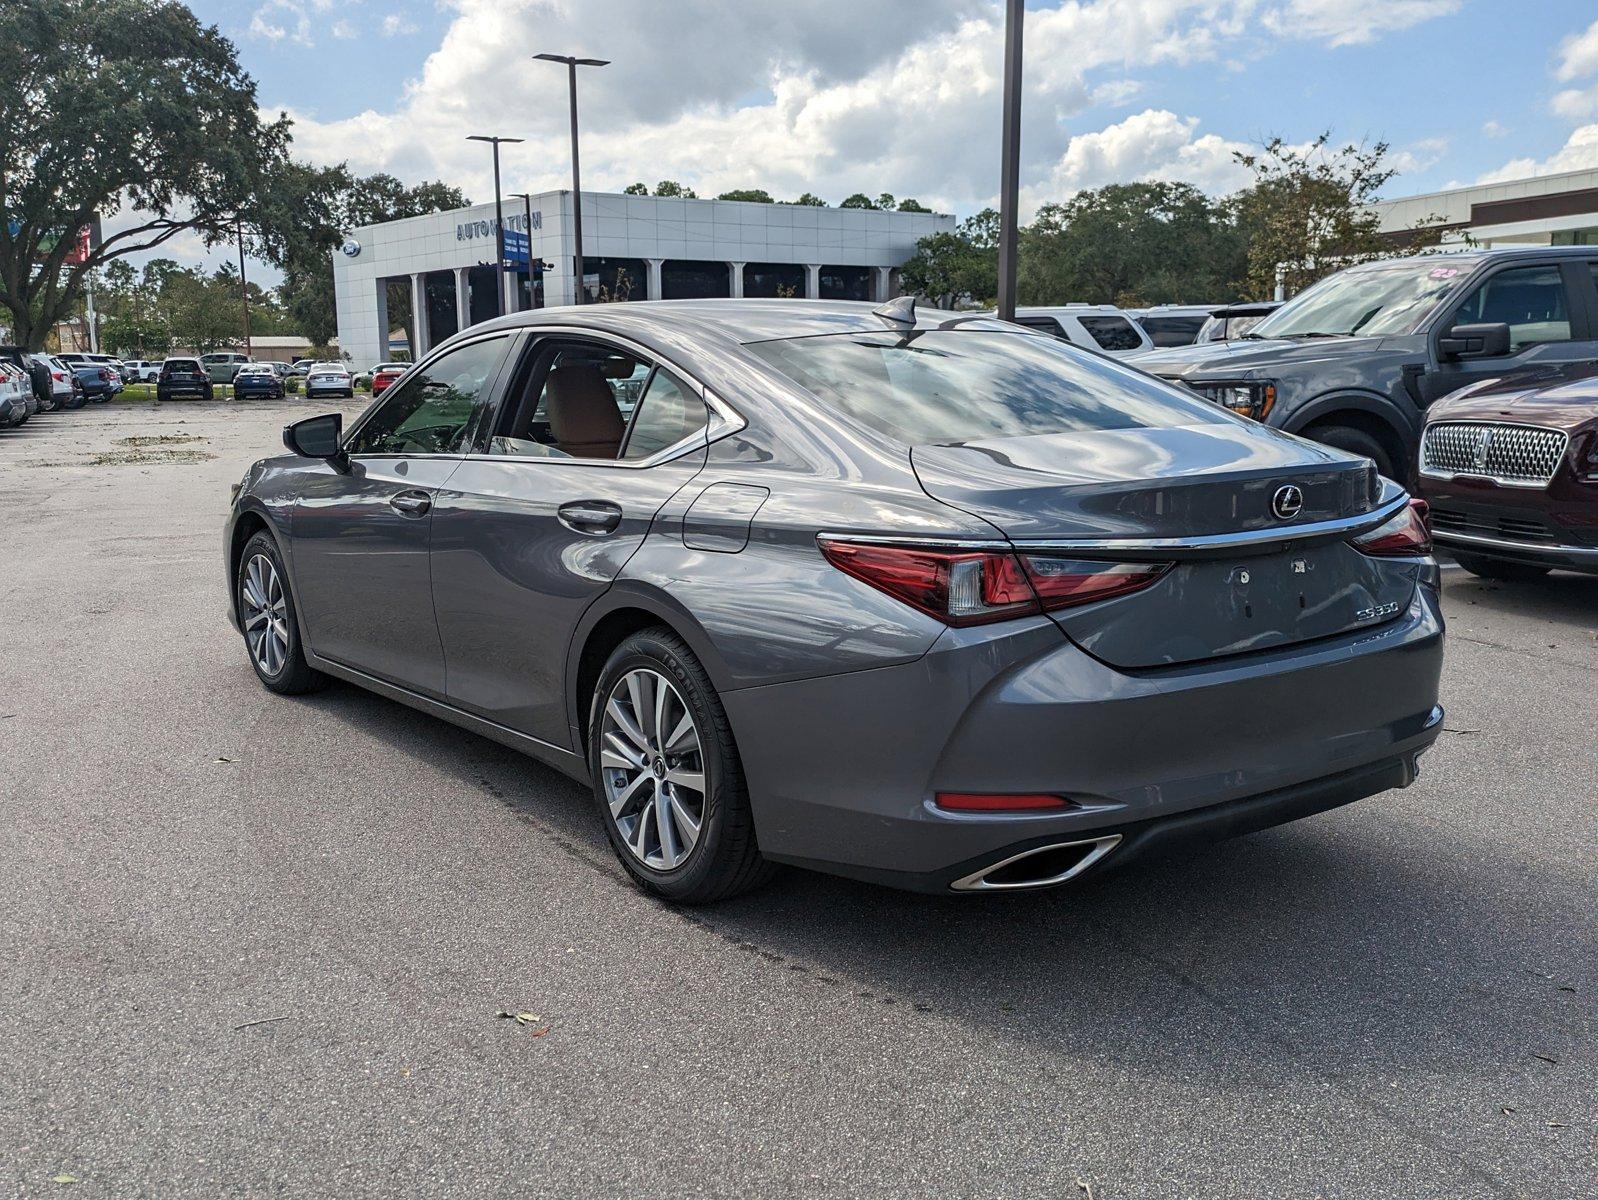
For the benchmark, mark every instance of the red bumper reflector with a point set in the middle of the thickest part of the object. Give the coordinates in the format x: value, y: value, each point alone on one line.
x: 999, y: 801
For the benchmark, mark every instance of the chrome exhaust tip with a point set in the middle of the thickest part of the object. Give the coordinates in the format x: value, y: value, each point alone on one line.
x: 1039, y: 867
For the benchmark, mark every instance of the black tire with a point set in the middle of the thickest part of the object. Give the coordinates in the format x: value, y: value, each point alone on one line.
x: 1356, y: 441
x: 294, y: 676
x: 76, y: 402
x: 1497, y: 568
x: 725, y: 861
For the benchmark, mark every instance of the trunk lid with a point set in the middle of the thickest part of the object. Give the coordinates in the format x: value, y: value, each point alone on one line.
x: 1185, y: 482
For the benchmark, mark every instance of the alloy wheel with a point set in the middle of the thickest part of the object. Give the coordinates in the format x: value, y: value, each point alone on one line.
x: 266, y: 624
x: 653, y: 769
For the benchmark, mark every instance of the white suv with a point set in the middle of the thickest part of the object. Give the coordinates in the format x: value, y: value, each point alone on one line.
x: 1100, y: 327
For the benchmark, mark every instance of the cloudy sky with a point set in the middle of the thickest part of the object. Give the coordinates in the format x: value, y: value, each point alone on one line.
x: 838, y: 96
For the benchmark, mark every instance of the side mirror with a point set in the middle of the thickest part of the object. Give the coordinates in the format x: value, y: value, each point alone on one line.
x: 318, y: 437
x: 1487, y: 340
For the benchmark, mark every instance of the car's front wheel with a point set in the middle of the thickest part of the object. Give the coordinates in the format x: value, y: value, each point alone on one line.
x: 271, y: 627
x: 1497, y: 568
x: 667, y: 777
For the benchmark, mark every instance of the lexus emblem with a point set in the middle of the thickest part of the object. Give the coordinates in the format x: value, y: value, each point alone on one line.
x: 1288, y: 502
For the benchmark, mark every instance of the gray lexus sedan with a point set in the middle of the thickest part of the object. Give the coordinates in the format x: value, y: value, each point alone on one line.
x: 937, y: 602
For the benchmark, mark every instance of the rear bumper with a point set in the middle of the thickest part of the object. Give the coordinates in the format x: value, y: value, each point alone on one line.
x: 843, y: 771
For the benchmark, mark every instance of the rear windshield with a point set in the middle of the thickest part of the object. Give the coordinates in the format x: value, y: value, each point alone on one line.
x: 948, y: 386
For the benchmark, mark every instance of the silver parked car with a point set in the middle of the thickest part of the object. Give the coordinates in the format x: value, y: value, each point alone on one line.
x: 329, y: 378
x: 923, y: 599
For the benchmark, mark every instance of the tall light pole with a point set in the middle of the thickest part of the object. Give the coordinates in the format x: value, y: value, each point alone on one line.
x: 499, y: 219
x: 244, y: 294
x: 577, y: 180
x: 1010, y: 157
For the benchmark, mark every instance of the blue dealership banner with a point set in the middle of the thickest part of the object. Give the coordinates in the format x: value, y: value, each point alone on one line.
x: 517, y: 249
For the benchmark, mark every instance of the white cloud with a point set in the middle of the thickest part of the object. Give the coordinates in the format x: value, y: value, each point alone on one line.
x: 1579, y: 153
x: 828, y: 96
x: 1494, y: 129
x: 1153, y: 144
x: 1576, y: 104
x: 343, y: 30
x: 395, y: 24
x: 1418, y: 156
x: 1350, y: 22
x: 1578, y: 55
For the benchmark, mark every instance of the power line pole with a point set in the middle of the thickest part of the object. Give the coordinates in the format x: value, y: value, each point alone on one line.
x: 499, y: 220
x: 244, y: 294
x: 1010, y: 158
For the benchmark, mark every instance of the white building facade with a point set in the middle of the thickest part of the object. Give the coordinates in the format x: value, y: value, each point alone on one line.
x: 1543, y: 210
x: 634, y: 248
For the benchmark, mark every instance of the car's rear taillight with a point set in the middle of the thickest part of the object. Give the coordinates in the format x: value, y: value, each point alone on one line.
x: 975, y: 587
x: 1404, y: 536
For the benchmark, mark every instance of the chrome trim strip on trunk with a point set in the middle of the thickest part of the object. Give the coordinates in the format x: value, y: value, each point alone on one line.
x: 1340, y: 527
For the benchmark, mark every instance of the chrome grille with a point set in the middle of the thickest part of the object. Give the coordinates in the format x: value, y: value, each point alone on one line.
x: 1514, y: 454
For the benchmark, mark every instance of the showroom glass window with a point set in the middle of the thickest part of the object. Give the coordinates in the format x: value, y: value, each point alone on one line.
x: 431, y: 411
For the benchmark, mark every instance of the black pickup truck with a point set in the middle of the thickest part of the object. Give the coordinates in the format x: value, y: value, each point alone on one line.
x: 1355, y: 360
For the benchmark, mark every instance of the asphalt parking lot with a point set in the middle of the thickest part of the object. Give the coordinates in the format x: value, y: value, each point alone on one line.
x: 256, y: 946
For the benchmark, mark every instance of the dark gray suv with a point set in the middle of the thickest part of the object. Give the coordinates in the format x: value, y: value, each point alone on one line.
x: 1353, y: 361
x: 939, y: 602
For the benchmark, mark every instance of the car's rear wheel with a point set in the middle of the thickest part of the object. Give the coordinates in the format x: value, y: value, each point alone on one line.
x: 267, y: 617
x: 667, y: 778
x: 1497, y: 568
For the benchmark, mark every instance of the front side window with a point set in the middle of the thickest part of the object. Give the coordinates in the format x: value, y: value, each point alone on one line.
x: 952, y: 386
x: 431, y: 411
x: 1530, y: 300
x: 1381, y: 300
x: 1112, y: 333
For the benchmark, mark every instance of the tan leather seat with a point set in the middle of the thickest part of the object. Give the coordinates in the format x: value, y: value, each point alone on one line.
x: 583, y: 417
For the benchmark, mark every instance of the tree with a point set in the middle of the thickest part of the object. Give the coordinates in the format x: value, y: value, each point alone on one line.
x: 635, y: 189
x: 809, y: 200
x: 909, y: 205
x: 113, y: 108
x: 885, y: 202
x: 858, y: 200
x: 948, y: 267
x: 305, y: 213
x: 1308, y: 212
x: 1130, y: 244
x: 752, y: 195
x: 670, y: 187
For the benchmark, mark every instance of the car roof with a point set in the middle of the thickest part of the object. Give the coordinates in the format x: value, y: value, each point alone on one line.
x: 1478, y: 254
x: 735, y: 321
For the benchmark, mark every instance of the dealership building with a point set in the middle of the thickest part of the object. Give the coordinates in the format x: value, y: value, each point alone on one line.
x: 1542, y: 210
x: 634, y: 248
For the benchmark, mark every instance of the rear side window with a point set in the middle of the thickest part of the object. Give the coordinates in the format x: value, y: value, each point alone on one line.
x: 1530, y: 300
x: 1112, y: 333
x: 948, y: 386
x: 666, y: 415
x: 1174, y: 330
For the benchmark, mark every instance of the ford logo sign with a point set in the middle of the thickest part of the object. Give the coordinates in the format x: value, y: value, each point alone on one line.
x: 351, y: 247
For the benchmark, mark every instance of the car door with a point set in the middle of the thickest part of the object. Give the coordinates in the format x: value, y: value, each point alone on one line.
x: 546, y: 511
x: 360, y: 536
x: 1548, y: 308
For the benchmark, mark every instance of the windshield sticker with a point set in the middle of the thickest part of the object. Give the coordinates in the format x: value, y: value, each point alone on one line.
x: 1444, y: 272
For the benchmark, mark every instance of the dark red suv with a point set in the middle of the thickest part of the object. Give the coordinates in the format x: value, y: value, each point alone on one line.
x: 1510, y: 468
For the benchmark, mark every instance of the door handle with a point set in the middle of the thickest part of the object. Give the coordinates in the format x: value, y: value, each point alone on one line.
x: 410, y: 504
x: 593, y: 517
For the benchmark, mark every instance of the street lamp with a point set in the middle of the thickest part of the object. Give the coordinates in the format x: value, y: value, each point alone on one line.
x: 577, y: 184
x: 499, y: 218
x: 1010, y: 158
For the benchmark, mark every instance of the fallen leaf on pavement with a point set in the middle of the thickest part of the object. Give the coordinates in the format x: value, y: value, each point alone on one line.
x: 63, y: 1178
x: 1545, y: 1058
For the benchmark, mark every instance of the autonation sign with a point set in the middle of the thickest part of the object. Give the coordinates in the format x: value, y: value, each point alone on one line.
x: 468, y: 231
